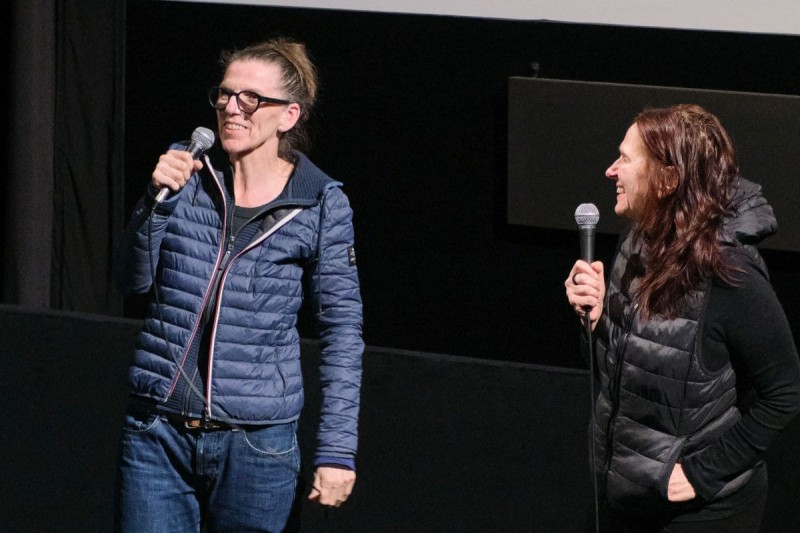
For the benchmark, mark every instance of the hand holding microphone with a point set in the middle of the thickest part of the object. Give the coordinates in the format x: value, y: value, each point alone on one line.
x: 586, y: 285
x: 175, y: 167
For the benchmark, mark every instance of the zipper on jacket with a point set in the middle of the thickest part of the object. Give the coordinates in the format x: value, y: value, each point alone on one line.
x: 224, y: 269
x: 201, y: 311
x: 615, y: 392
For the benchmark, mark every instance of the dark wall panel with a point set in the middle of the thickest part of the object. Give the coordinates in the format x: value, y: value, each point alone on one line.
x: 563, y: 134
x: 446, y: 443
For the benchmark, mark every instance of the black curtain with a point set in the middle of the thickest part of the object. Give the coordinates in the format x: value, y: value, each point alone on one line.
x: 63, y: 199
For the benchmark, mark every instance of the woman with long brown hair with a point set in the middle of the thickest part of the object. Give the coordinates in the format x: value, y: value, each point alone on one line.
x: 697, y: 368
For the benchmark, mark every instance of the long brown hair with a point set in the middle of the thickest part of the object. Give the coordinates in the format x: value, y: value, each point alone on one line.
x: 690, y: 170
x: 300, y: 83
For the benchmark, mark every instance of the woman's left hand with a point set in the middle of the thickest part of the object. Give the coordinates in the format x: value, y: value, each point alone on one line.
x: 332, y: 486
x: 679, y: 489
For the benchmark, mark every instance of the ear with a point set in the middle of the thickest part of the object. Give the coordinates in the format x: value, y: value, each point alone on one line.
x: 290, y: 117
x: 669, y: 182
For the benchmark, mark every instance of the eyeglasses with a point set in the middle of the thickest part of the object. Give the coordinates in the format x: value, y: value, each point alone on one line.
x: 248, y: 101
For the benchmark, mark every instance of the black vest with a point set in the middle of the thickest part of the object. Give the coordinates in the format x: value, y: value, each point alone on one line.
x: 656, y: 403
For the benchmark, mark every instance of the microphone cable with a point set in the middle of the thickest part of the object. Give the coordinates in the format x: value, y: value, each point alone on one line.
x: 587, y: 324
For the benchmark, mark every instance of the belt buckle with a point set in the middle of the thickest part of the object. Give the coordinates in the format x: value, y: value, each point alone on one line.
x: 194, y: 423
x: 204, y: 423
x: 208, y: 425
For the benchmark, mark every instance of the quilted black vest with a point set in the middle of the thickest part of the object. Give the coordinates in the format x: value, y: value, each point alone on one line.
x: 656, y: 403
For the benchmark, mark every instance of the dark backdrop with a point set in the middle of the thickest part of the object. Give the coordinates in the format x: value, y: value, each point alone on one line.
x: 413, y: 119
x: 62, y: 191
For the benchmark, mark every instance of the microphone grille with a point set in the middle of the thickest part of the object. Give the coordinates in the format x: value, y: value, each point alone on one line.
x: 203, y: 137
x: 587, y: 215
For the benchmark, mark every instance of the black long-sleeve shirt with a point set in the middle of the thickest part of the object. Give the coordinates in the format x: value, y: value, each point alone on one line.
x: 746, y: 324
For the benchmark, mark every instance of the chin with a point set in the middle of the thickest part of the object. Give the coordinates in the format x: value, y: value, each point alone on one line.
x: 231, y: 146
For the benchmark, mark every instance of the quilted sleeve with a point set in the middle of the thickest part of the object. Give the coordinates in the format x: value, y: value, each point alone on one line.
x: 338, y: 309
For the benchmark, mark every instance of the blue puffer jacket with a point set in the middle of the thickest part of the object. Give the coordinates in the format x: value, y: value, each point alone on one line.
x: 254, y: 358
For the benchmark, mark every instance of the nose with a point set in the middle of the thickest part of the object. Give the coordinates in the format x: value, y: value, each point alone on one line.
x: 232, y: 107
x: 611, y: 172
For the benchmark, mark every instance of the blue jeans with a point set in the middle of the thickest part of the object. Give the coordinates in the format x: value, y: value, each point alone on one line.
x: 173, y: 479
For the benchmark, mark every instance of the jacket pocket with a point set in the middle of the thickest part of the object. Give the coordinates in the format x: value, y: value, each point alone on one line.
x: 669, y: 465
x: 638, y: 479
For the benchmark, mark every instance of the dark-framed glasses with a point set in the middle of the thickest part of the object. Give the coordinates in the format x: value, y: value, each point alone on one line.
x: 248, y: 101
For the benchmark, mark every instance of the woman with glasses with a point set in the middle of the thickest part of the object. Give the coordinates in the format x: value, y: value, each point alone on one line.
x: 697, y: 368
x: 228, y: 256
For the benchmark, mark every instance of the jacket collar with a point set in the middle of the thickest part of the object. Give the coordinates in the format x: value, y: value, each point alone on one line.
x: 306, y: 185
x: 308, y: 182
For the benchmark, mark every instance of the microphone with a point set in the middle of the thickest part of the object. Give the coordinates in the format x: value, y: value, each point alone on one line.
x: 202, y: 140
x: 586, y: 216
